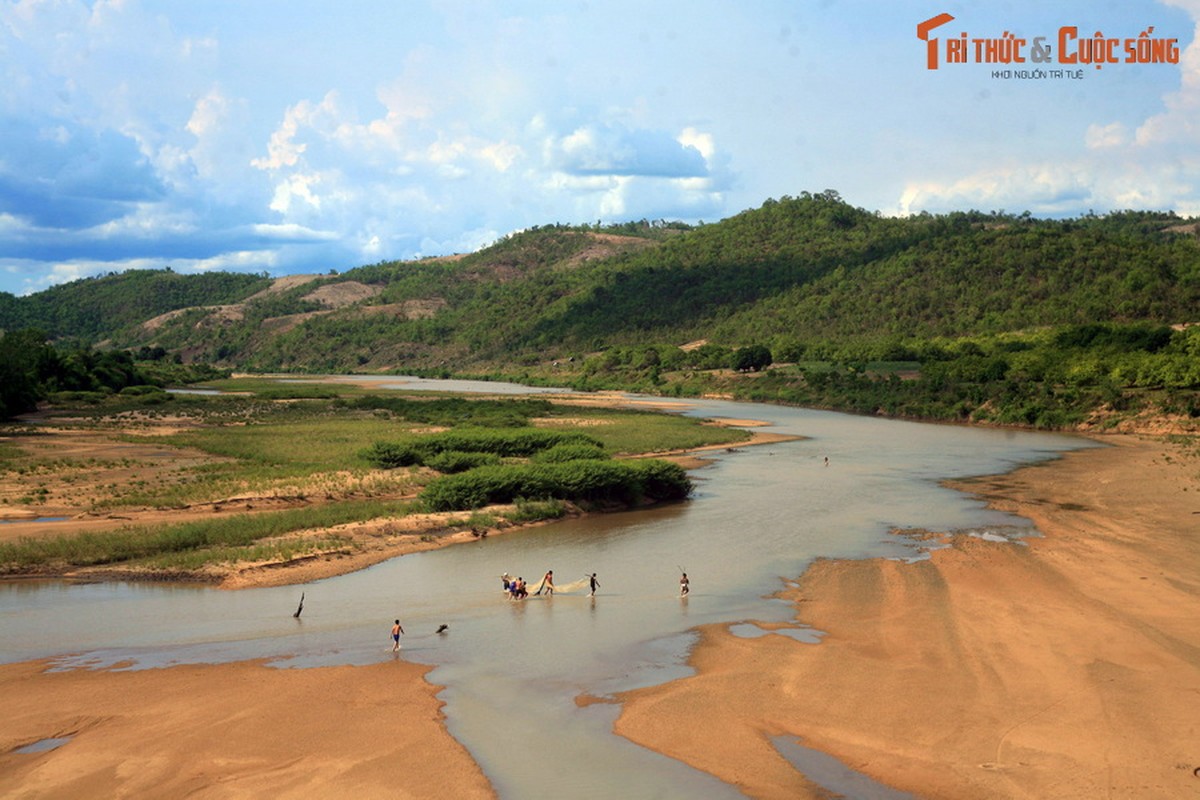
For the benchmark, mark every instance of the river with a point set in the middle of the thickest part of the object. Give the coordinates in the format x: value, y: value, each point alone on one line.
x: 513, y: 671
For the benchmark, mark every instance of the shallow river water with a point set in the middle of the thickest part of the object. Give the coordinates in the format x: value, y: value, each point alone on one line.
x: 759, y: 516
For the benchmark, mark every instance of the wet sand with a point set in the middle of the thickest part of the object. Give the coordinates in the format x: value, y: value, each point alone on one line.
x: 1067, y: 668
x: 239, y: 730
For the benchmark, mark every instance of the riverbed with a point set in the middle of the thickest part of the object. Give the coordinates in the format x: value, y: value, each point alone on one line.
x: 514, y: 671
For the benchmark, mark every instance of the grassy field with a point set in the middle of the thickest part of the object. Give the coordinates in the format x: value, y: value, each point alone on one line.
x: 270, y: 444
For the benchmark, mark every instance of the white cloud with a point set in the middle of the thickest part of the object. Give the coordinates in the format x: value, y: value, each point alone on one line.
x: 292, y: 231
x: 284, y: 150
x: 1100, y: 136
x: 702, y: 142
x: 295, y: 187
x: 136, y: 131
x: 614, y: 149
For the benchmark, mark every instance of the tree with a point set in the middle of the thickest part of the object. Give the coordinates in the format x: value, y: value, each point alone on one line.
x: 23, y: 354
x: 753, y: 358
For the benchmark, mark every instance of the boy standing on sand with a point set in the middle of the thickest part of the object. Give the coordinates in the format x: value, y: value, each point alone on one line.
x: 396, y: 631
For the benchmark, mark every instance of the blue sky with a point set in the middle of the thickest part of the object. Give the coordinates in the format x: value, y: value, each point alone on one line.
x: 305, y: 136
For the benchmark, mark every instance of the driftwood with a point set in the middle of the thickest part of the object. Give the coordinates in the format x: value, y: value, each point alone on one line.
x: 300, y: 607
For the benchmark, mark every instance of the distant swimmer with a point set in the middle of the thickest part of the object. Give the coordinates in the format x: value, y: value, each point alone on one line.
x: 396, y: 631
x: 594, y: 584
x: 684, y: 587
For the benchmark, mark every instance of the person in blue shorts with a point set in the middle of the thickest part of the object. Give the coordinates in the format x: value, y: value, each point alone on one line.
x: 396, y: 631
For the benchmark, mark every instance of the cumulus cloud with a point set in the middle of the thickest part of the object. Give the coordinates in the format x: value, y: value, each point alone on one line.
x: 611, y: 149
x: 141, y: 137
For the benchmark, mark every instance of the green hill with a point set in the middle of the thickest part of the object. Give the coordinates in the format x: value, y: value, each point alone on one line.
x: 796, y: 270
x: 969, y: 315
x: 91, y: 309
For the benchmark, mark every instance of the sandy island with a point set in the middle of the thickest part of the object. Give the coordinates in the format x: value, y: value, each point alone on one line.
x: 239, y: 730
x: 108, y: 460
x: 1065, y: 668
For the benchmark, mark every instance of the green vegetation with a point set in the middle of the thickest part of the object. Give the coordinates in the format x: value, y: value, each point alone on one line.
x: 91, y: 309
x: 588, y: 482
x: 559, y: 453
x: 512, y: 443
x: 32, y: 370
x: 568, y: 466
x: 989, y: 317
x: 258, y: 451
x: 212, y: 540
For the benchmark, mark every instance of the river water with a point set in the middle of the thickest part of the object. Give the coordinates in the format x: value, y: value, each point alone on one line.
x: 513, y: 671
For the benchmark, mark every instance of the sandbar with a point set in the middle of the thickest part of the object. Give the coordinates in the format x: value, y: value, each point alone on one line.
x: 229, y: 731
x: 1067, y: 666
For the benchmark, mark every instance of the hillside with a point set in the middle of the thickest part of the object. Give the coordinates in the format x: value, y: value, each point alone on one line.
x: 91, y: 309
x: 797, y: 271
x: 977, y: 316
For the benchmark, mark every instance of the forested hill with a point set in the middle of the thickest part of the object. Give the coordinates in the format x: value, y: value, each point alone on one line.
x: 795, y: 273
x: 93, y: 308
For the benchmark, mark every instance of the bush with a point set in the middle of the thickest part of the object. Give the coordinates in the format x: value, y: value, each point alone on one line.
x: 453, y: 461
x: 584, y: 482
x: 561, y: 453
x: 389, y: 455
x: 140, y: 390
x: 521, y: 442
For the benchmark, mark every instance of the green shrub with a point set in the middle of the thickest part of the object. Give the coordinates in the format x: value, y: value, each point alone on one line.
x: 560, y: 453
x: 390, y: 455
x: 584, y: 482
x: 521, y: 442
x: 452, y: 461
x: 536, y: 511
x: 140, y: 390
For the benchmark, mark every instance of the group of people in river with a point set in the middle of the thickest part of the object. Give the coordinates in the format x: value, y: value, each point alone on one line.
x: 515, y: 588
x: 518, y: 589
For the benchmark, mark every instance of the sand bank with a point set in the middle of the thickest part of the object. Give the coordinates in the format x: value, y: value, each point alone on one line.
x: 237, y: 730
x: 112, y: 461
x: 1067, y: 668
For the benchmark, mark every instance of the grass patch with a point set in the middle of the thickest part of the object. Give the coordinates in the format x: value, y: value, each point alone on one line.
x: 537, y: 511
x: 631, y: 432
x: 276, y: 551
x: 214, y: 535
x: 312, y: 449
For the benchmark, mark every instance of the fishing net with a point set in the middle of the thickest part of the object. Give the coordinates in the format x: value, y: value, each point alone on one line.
x: 581, y: 586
